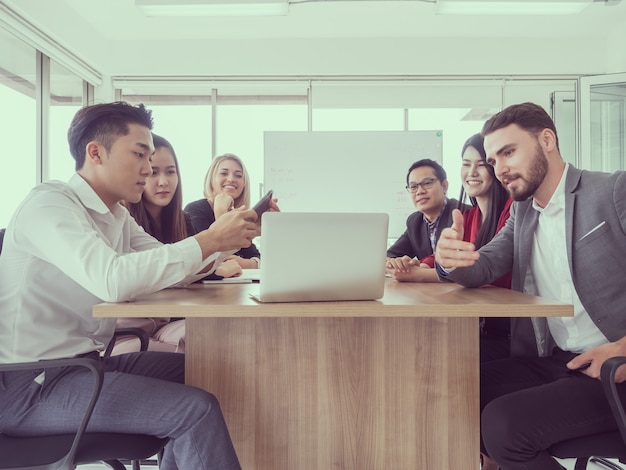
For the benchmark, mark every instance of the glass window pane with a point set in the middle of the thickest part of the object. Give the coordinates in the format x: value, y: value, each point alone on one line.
x: 240, y: 131
x: 66, y: 97
x: 608, y: 129
x: 17, y: 121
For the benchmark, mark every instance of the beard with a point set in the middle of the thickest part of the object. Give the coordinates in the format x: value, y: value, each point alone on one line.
x: 530, y: 183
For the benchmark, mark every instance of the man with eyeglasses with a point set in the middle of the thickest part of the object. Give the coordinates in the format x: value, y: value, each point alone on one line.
x: 410, y: 258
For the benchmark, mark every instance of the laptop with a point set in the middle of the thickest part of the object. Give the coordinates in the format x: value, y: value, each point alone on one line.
x: 309, y: 257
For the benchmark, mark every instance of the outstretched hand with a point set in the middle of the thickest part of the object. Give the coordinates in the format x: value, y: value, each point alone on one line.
x: 451, y: 250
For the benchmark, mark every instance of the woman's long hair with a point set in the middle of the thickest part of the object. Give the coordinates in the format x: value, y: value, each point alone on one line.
x: 244, y: 197
x: 173, y: 226
x: 498, y: 196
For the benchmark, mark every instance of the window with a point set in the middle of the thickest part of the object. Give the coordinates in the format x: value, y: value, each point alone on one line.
x: 66, y: 98
x: 17, y: 122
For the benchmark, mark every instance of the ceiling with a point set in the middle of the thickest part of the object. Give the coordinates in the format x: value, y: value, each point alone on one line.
x: 331, y: 38
x: 122, y: 20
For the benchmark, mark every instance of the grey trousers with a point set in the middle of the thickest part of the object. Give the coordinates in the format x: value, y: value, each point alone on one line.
x: 143, y: 393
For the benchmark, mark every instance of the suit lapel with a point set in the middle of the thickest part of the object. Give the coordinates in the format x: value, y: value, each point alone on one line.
x: 527, y: 226
x: 571, y: 183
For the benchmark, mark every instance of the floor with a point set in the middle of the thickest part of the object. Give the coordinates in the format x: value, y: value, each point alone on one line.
x: 569, y: 464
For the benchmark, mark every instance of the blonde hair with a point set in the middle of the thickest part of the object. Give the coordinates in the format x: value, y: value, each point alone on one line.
x: 244, y: 197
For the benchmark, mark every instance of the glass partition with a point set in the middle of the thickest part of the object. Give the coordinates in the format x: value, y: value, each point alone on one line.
x: 602, y: 117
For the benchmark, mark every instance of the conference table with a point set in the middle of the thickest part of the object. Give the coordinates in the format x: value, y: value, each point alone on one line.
x: 352, y: 385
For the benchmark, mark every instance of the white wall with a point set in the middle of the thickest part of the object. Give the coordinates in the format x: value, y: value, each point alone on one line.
x: 376, y: 56
x: 616, y: 52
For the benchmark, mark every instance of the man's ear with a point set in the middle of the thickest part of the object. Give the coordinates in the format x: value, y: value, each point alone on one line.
x: 548, y: 139
x: 93, y: 151
x: 444, y: 184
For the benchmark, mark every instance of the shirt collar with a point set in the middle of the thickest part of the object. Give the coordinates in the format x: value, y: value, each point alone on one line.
x: 557, y: 201
x: 88, y: 197
x: 436, y: 221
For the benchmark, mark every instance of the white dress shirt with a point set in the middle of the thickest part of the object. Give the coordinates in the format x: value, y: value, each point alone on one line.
x: 65, y: 251
x: 549, y: 276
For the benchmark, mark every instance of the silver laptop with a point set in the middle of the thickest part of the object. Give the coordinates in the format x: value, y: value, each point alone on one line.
x: 322, y: 256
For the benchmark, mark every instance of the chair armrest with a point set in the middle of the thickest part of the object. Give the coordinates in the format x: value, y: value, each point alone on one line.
x: 607, y: 375
x: 98, y: 374
x: 144, y: 339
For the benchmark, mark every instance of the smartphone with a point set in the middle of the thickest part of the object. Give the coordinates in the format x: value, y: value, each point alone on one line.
x: 264, y: 204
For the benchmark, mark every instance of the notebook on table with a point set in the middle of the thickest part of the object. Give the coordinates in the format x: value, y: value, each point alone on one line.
x: 322, y: 256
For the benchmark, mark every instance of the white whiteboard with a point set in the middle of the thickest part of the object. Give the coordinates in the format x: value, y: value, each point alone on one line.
x: 351, y: 171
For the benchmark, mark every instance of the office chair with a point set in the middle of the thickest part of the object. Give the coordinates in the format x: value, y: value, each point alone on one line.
x: 599, y: 447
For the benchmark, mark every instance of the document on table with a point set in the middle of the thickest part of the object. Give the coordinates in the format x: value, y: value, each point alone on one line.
x: 247, y: 276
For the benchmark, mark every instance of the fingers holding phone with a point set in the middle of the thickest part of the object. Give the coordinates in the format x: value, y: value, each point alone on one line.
x: 232, y: 231
x: 264, y: 204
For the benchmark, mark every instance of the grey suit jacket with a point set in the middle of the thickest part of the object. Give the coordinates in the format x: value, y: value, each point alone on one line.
x: 595, y: 235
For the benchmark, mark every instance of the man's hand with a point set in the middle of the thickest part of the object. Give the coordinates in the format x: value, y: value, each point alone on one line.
x: 451, y: 250
x: 590, y: 362
x: 232, y: 231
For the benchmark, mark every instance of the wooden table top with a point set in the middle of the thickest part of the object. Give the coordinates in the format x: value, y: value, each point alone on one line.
x: 400, y: 300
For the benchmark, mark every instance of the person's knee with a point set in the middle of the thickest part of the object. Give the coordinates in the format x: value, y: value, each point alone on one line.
x: 502, y: 430
x: 198, y: 403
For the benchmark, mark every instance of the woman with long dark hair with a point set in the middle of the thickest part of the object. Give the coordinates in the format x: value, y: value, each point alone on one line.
x: 488, y: 214
x: 160, y: 213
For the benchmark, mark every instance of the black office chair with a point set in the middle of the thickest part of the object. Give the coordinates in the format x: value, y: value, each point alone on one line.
x: 600, y: 447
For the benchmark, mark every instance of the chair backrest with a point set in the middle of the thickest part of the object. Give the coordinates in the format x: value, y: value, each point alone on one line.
x: 1, y: 238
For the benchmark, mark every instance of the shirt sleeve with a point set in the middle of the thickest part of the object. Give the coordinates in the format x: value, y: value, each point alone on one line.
x: 116, y: 266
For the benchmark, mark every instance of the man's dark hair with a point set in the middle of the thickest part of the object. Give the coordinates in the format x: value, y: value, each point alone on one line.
x: 529, y: 116
x: 104, y: 123
x: 439, y: 171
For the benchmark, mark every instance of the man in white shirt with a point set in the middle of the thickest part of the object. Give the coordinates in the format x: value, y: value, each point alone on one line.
x: 72, y: 245
x: 565, y: 240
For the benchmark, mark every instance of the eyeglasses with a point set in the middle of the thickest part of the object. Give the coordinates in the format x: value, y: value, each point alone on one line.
x: 425, y: 184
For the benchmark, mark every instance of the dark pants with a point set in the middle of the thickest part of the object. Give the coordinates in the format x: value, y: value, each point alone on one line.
x: 495, y: 338
x: 528, y: 404
x: 143, y: 393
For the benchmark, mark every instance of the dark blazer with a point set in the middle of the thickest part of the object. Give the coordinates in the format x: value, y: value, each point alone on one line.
x: 201, y: 216
x: 595, y: 234
x: 415, y: 241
